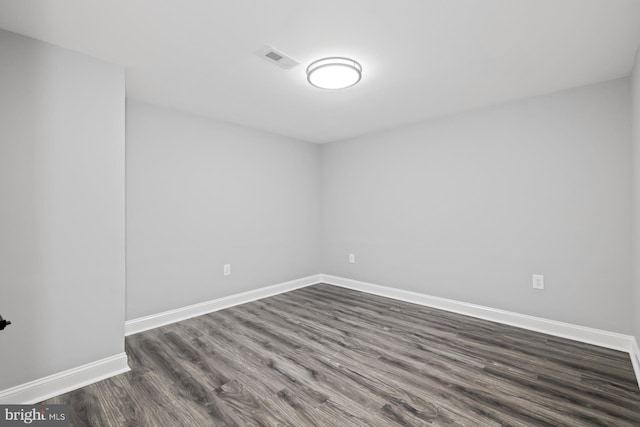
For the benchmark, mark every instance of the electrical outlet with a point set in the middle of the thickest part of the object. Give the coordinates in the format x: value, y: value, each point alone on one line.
x: 226, y: 270
x: 352, y: 258
x: 538, y: 281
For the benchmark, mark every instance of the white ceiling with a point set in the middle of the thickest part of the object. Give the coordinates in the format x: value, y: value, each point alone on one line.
x: 421, y: 58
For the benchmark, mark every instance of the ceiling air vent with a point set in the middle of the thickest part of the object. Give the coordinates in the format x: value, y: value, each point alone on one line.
x: 276, y: 57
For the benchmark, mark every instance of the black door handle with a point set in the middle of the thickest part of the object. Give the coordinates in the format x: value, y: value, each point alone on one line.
x: 3, y: 323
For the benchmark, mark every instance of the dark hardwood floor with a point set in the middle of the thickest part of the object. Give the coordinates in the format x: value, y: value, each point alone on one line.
x: 327, y: 356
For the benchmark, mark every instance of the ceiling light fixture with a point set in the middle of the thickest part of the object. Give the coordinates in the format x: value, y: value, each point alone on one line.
x: 334, y: 73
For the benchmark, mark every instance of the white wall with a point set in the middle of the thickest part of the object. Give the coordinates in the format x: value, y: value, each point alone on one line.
x: 61, y: 209
x: 469, y: 206
x: 202, y: 193
x: 635, y: 120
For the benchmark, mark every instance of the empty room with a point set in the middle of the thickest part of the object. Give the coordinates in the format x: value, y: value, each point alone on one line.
x: 338, y: 213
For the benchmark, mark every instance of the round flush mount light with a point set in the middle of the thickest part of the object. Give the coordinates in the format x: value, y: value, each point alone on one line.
x: 334, y: 73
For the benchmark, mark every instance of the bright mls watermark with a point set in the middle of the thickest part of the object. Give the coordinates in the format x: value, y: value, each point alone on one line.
x: 34, y: 415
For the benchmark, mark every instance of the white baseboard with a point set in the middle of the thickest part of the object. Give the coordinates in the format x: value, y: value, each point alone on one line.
x: 160, y: 319
x: 583, y: 334
x: 635, y: 358
x: 612, y: 340
x: 64, y: 382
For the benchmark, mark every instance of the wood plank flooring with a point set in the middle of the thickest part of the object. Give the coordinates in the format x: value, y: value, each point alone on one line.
x: 327, y: 356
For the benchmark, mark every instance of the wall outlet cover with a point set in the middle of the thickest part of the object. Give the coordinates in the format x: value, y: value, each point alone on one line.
x: 538, y: 281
